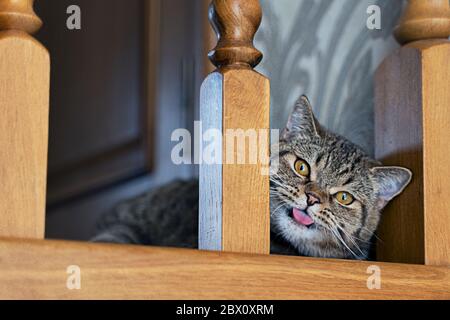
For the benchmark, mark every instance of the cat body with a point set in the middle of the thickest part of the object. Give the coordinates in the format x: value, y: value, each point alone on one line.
x: 326, y: 198
x: 166, y: 217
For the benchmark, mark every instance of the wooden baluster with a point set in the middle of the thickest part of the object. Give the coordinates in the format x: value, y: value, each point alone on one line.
x: 234, y: 199
x: 24, y: 99
x: 424, y: 20
x: 412, y: 126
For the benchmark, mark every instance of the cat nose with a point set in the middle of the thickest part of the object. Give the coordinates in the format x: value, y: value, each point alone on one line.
x: 312, y: 199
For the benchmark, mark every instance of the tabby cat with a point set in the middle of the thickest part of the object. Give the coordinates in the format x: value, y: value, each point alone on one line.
x: 326, y: 198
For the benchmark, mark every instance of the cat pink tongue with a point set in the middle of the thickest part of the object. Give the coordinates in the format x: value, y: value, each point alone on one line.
x: 302, y: 218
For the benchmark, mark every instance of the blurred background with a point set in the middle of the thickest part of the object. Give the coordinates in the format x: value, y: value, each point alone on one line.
x: 132, y: 75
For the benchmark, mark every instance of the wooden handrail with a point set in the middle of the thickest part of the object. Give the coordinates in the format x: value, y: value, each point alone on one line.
x: 412, y: 121
x: 24, y: 100
x: 234, y: 198
x: 38, y: 270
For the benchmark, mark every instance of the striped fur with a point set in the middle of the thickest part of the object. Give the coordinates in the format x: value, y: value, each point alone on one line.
x: 336, y: 165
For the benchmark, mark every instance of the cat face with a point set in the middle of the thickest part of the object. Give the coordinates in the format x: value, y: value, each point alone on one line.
x: 327, y: 194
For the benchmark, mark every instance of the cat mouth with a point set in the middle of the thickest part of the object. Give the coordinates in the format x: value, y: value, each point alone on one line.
x: 302, y: 218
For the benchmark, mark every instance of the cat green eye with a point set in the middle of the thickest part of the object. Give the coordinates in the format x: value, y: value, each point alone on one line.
x: 344, y: 198
x: 302, y: 168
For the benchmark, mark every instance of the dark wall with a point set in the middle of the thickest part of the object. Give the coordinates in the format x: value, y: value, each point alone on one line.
x: 98, y: 123
x: 103, y: 148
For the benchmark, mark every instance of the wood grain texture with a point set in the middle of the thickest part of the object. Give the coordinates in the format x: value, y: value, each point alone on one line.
x: 412, y: 123
x: 398, y: 141
x: 424, y: 20
x: 246, y: 198
x: 24, y: 102
x: 436, y: 124
x: 37, y: 270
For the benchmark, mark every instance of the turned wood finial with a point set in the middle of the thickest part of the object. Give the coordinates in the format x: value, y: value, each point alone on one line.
x: 424, y: 19
x: 236, y: 23
x: 19, y: 15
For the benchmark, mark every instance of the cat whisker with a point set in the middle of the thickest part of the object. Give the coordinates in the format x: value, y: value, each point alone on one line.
x: 280, y: 184
x: 276, y: 188
x: 351, y: 239
x: 276, y: 193
x: 335, y: 231
x: 339, y: 238
x: 277, y: 175
x: 378, y: 238
x: 338, y: 222
x: 369, y: 231
x: 278, y: 208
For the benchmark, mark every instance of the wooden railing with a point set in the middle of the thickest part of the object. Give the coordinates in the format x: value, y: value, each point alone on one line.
x: 234, y: 198
x: 412, y: 127
x: 24, y: 100
x: 38, y: 270
x: 411, y: 93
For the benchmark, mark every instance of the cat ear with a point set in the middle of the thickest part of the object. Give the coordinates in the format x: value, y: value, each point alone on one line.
x: 390, y: 182
x: 301, y: 121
